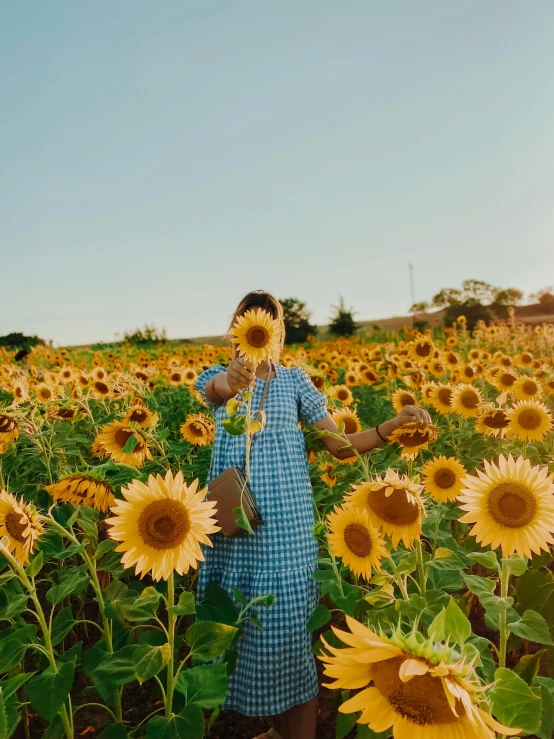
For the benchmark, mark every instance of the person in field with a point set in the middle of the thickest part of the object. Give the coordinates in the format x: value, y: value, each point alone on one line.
x: 275, y: 675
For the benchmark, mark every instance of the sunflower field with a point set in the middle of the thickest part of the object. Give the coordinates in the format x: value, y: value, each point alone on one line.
x: 436, y: 565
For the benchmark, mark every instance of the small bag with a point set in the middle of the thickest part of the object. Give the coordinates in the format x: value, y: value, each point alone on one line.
x: 231, y: 487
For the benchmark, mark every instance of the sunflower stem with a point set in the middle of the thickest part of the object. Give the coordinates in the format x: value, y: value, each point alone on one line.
x: 106, y: 623
x: 399, y: 581
x: 502, y: 619
x: 420, y: 568
x: 171, y: 640
x: 29, y: 586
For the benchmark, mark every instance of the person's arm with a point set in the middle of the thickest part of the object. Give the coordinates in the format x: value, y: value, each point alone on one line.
x: 365, y: 441
x: 225, y: 385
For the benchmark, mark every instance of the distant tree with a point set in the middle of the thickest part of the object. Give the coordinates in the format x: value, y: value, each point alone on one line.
x: 448, y: 296
x: 477, y: 292
x: 342, y: 322
x: 472, y: 311
x: 147, y: 335
x: 20, y: 342
x: 297, y: 321
x: 545, y: 298
x: 508, y: 297
x: 421, y: 307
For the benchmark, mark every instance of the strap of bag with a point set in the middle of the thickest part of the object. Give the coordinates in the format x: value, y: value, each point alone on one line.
x: 260, y: 406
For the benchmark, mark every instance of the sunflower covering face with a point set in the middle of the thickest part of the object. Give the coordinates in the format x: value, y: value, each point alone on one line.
x: 256, y: 336
x: 161, y: 525
x: 511, y: 505
x: 419, y: 690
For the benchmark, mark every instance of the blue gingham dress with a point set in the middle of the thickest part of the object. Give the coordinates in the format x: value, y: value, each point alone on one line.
x: 275, y: 667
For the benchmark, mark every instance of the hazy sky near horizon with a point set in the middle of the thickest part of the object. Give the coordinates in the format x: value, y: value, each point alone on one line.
x: 160, y: 159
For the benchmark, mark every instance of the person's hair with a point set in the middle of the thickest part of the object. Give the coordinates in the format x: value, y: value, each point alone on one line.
x: 269, y: 303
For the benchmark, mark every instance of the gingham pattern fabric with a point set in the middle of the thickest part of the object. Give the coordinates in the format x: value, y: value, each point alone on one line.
x: 275, y: 667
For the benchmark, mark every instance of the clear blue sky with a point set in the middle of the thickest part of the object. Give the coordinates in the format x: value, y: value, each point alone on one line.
x: 160, y: 159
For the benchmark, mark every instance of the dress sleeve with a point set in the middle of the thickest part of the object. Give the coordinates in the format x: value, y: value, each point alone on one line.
x: 202, y: 381
x: 312, y: 404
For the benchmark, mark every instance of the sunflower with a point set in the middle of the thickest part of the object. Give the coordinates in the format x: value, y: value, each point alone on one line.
x: 491, y: 421
x: 114, y: 437
x: 64, y: 414
x: 466, y: 400
x: 100, y: 389
x: 421, y: 349
x: 548, y: 386
x: 369, y: 376
x: 354, y: 539
x: 139, y: 413
x: 161, y: 524
x: 342, y: 393
x: 256, y: 335
x: 412, y: 437
x: 526, y: 388
x: 401, y: 398
x: 198, y: 429
x: 440, y: 397
x: 350, y: 419
x: 20, y: 525
x: 393, y: 504
x: 511, y: 505
x: 20, y: 392
x: 328, y: 477
x: 504, y: 381
x: 419, y: 689
x: 85, y: 489
x: 9, y: 430
x: 189, y: 376
x: 442, y: 478
x: 66, y: 375
x: 528, y: 420
x: 44, y: 392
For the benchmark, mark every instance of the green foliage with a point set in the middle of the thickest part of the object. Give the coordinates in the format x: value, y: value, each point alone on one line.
x: 147, y: 336
x: 297, y: 321
x: 342, y: 321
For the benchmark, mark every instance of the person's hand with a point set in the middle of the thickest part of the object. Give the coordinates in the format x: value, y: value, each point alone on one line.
x: 240, y: 374
x: 412, y: 413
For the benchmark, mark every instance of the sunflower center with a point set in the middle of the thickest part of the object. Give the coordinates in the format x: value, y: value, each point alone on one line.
x: 445, y: 478
x: 512, y: 504
x: 469, y: 399
x: 396, y: 508
x: 507, y: 379
x: 5, y: 424
x: 14, y: 527
x: 529, y: 419
x: 101, y: 387
x: 496, y: 420
x: 444, y: 395
x: 122, y: 436
x: 423, y: 350
x: 350, y: 426
x: 46, y: 392
x: 406, y: 399
x: 197, y: 429
x: 257, y: 336
x: 164, y: 524
x: 415, y: 439
x: 138, y: 416
x: 342, y: 395
x: 421, y: 700
x: 357, y: 539
x: 529, y: 387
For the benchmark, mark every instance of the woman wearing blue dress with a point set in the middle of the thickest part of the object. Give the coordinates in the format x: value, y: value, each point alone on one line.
x: 275, y: 674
